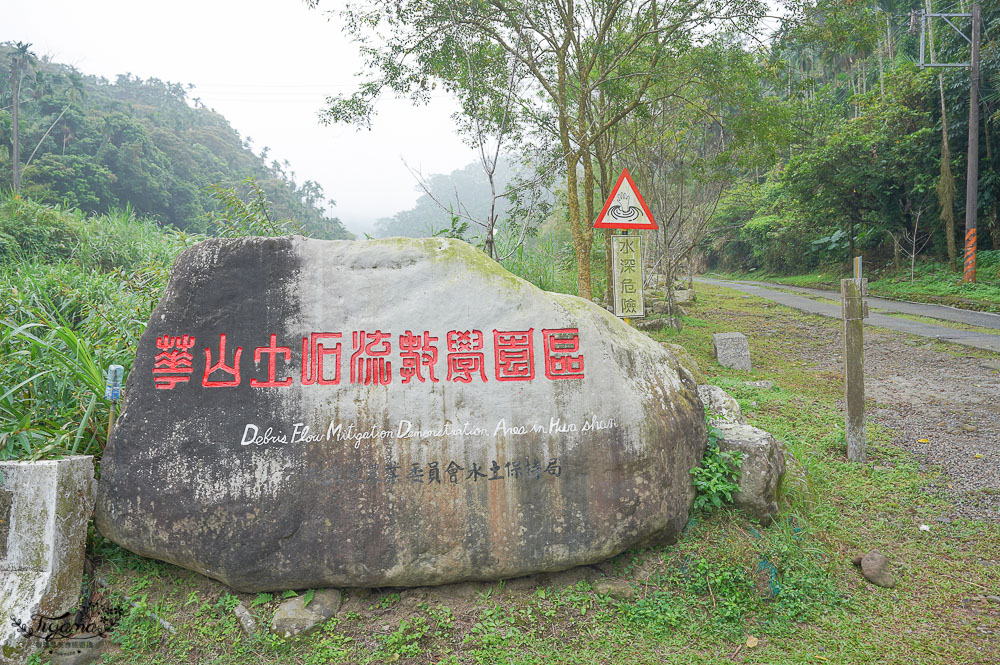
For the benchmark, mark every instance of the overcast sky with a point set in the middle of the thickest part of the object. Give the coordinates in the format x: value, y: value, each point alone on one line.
x: 267, y: 67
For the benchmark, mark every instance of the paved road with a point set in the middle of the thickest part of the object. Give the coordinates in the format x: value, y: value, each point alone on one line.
x: 978, y: 340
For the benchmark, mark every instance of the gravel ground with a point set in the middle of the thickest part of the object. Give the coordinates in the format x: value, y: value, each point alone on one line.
x: 951, y: 401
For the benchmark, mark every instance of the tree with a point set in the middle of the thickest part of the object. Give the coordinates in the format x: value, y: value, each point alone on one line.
x: 569, y: 52
x: 20, y: 59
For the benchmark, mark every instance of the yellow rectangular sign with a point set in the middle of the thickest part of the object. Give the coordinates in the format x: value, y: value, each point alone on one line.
x: 626, y: 268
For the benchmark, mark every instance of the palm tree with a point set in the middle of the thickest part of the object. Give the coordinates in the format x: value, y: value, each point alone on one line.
x: 20, y: 58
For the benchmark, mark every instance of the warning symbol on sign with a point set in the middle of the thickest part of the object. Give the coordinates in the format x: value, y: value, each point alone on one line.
x: 625, y: 208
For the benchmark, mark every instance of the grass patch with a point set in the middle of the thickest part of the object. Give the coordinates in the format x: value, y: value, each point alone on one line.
x: 791, y: 585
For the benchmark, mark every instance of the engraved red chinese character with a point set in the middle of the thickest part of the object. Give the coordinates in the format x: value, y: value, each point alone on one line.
x: 515, y: 359
x: 374, y: 369
x: 312, y: 370
x: 271, y: 350
x: 232, y: 370
x: 559, y: 345
x: 416, y: 351
x: 465, y: 355
x: 172, y: 367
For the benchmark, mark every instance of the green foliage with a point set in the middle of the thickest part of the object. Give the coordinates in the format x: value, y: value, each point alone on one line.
x: 659, y: 612
x: 716, y: 479
x: 78, y: 292
x: 261, y: 599
x: 100, y: 145
x: 246, y: 216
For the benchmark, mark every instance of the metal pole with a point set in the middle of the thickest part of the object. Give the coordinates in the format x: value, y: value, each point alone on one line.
x: 972, y: 181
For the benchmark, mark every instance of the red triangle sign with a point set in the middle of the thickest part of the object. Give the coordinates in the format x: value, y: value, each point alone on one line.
x: 625, y: 208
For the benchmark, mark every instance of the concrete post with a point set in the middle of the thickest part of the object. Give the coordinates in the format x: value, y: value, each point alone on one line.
x: 853, y: 312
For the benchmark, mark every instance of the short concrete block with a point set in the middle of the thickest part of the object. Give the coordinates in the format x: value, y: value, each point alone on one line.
x: 45, y: 538
x: 732, y: 350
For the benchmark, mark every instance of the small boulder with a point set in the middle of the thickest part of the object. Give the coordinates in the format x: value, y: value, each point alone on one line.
x: 720, y: 403
x: 684, y: 296
x: 247, y: 622
x: 651, y: 325
x: 617, y: 589
x: 294, y: 617
x: 875, y: 567
x: 761, y: 469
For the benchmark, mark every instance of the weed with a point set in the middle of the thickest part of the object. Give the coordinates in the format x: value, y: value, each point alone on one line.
x: 717, y: 477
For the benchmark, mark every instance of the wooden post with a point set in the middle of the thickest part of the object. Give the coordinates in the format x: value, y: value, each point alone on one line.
x: 853, y: 312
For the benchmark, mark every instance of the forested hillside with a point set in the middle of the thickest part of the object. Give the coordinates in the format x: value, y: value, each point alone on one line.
x: 871, y: 152
x: 97, y: 145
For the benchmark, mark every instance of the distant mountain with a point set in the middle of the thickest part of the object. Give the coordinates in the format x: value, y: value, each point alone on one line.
x: 92, y: 144
x: 467, y: 187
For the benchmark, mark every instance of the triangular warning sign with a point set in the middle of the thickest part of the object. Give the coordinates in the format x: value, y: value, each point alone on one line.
x: 625, y: 208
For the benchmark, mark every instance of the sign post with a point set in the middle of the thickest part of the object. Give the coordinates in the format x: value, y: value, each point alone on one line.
x: 113, y: 390
x: 626, y: 209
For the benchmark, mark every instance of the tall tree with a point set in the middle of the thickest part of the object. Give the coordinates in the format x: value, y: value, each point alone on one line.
x: 20, y: 59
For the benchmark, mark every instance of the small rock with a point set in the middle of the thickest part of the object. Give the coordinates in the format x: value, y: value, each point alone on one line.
x: 991, y: 364
x: 967, y: 428
x: 924, y: 527
x: 943, y: 520
x: 246, y: 619
x: 993, y: 599
x: 293, y: 617
x: 875, y: 568
x: 650, y: 325
x: 617, y: 589
x: 720, y: 403
x: 762, y: 385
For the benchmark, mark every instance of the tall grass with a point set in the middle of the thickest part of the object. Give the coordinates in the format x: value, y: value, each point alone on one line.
x: 76, y: 294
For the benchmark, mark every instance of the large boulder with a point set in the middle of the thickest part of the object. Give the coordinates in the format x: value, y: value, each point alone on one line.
x: 305, y: 413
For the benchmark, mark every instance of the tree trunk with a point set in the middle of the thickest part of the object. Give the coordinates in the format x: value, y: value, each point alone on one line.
x: 15, y: 124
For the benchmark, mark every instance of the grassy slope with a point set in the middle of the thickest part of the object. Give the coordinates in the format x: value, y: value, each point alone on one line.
x: 696, y: 601
x: 933, y: 282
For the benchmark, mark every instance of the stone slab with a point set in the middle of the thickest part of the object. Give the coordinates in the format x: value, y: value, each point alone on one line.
x: 732, y: 350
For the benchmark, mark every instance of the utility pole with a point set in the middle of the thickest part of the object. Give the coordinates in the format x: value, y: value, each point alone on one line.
x: 972, y: 182
x: 972, y: 179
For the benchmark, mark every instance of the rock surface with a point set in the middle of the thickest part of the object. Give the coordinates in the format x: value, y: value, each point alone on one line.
x: 732, y: 350
x: 520, y: 432
x: 721, y: 404
x: 761, y: 468
x: 875, y: 567
x: 41, y: 567
x: 687, y: 361
x: 294, y: 617
x: 247, y: 622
